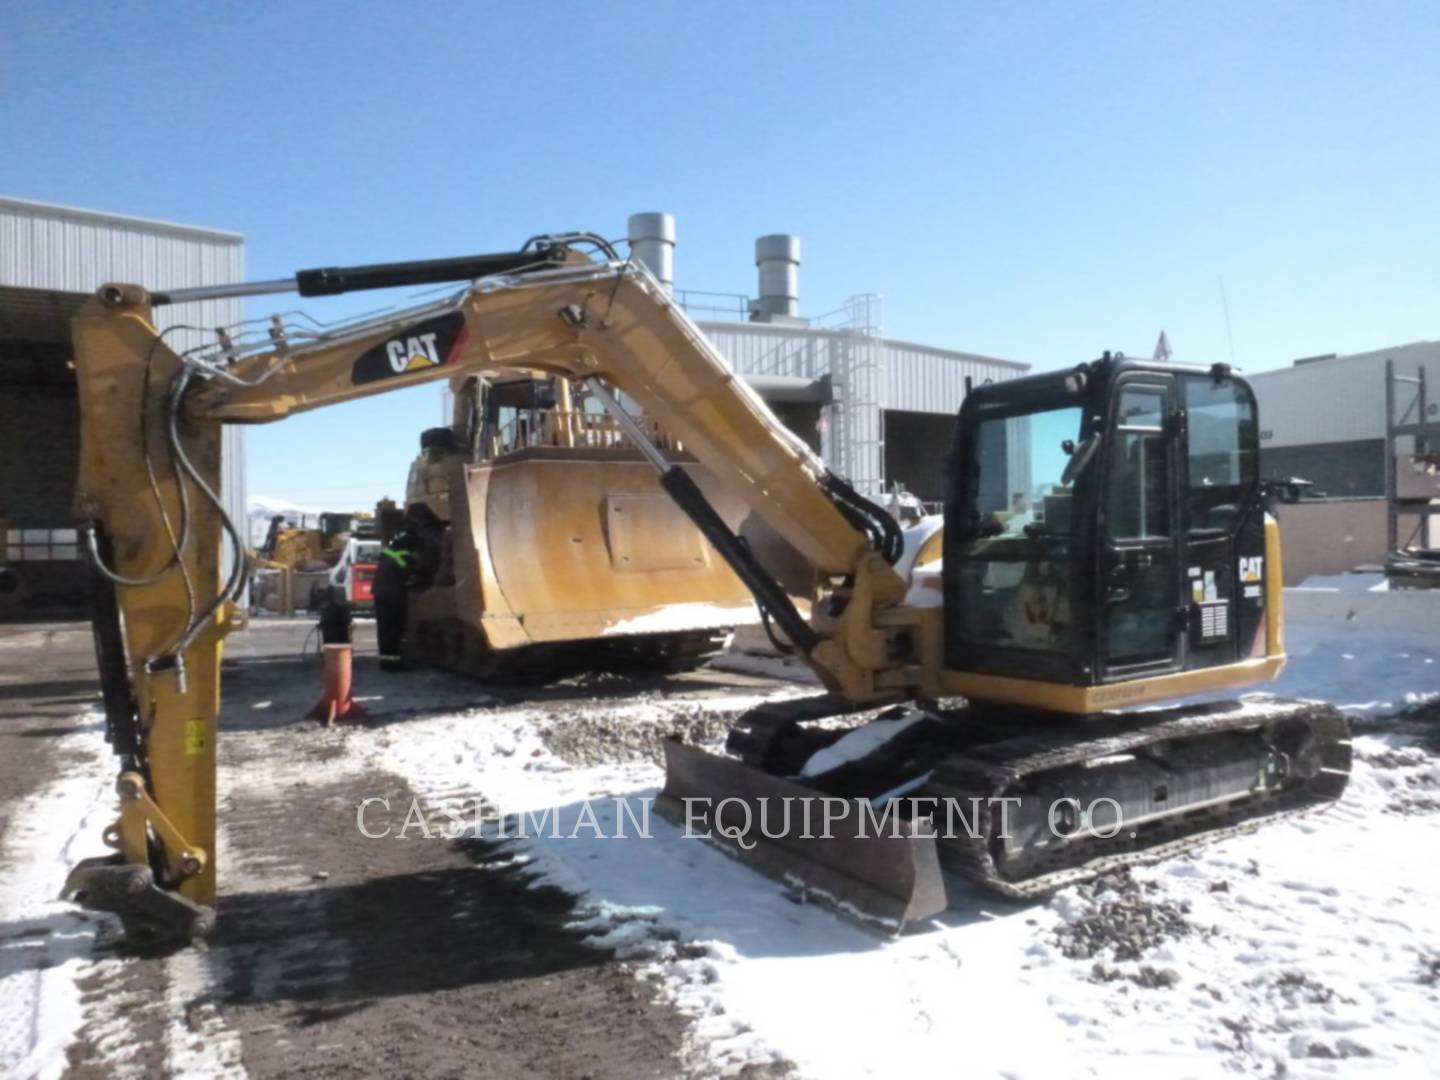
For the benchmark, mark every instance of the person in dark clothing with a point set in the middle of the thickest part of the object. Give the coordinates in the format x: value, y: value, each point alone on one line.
x: 272, y: 536
x: 393, y: 572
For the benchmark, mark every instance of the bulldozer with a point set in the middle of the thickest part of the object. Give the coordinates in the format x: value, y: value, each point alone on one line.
x: 550, y: 548
x: 305, y: 558
x: 316, y: 547
x: 1106, y: 568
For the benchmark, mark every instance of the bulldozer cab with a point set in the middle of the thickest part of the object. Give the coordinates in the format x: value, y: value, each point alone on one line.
x: 1105, y: 524
x: 496, y: 417
x: 512, y: 415
x: 334, y: 526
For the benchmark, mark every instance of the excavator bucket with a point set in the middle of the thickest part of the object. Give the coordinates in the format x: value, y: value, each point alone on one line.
x: 834, y: 850
x: 574, y: 548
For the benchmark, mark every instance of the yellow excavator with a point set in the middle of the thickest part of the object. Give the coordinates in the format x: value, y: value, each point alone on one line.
x: 1106, y: 546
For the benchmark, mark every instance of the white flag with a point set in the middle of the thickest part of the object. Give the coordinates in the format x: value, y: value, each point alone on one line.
x: 1162, y: 349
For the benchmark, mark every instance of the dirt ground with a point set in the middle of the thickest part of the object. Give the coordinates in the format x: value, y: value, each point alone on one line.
x: 336, y: 954
x: 47, y: 681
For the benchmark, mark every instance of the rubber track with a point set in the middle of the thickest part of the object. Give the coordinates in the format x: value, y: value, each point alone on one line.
x: 968, y: 776
x: 1001, y: 754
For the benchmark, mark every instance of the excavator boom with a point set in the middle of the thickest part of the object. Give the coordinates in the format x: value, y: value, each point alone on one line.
x: 149, y: 476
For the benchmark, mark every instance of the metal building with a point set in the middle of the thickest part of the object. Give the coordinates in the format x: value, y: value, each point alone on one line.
x: 880, y: 411
x: 1323, y: 417
x: 51, y: 259
x: 1323, y: 420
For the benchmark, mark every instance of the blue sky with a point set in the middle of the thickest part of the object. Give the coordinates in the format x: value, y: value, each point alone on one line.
x: 1037, y: 181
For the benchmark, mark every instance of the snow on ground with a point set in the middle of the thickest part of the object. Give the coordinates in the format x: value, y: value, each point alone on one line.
x: 44, y: 942
x: 1360, y: 671
x: 767, y: 665
x: 695, y: 616
x: 1304, y: 944
x: 1308, y: 946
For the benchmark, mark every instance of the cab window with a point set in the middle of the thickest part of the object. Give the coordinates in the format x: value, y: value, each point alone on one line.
x: 1015, y: 563
x: 1137, y: 499
x: 1221, y: 456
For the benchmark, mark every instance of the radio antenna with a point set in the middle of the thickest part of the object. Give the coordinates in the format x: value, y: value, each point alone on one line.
x: 1225, y: 307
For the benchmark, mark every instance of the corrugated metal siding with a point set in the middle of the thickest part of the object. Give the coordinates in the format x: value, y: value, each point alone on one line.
x: 928, y: 380
x: 918, y: 378
x: 45, y: 247
x: 57, y: 247
x: 761, y: 349
x: 1340, y: 399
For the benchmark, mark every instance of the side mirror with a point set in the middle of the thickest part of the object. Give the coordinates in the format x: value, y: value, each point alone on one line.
x: 1079, y: 457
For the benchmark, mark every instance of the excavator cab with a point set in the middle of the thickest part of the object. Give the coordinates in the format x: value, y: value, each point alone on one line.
x: 514, y: 414
x: 1106, y: 545
x: 527, y: 410
x: 1105, y: 525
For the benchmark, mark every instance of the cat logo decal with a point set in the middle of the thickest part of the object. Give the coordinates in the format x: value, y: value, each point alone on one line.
x: 414, y: 353
x: 429, y: 344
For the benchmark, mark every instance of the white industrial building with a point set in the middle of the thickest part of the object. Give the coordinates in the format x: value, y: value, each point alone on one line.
x: 881, y: 411
x: 1324, y: 419
x: 52, y: 258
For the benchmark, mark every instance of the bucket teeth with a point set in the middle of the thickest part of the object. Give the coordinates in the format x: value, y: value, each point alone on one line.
x: 154, y: 919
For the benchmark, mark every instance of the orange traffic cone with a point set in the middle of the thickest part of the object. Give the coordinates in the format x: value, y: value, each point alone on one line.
x: 335, y: 702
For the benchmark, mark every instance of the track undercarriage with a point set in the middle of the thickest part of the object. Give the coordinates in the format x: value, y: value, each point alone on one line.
x: 455, y: 646
x: 866, y: 817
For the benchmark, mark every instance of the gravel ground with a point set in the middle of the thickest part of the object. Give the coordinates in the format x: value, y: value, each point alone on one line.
x: 339, y: 955
x: 47, y: 681
x: 596, y: 735
x: 1122, y: 919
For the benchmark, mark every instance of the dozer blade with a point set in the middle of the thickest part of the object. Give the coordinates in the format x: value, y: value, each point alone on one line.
x: 841, y: 852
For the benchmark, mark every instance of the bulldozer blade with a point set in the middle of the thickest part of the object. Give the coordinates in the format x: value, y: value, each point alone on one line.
x: 839, y: 852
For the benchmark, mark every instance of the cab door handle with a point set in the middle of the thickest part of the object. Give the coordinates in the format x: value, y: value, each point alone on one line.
x: 1124, y: 574
x: 1120, y: 584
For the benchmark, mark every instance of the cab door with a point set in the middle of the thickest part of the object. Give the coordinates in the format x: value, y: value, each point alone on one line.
x: 1138, y: 560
